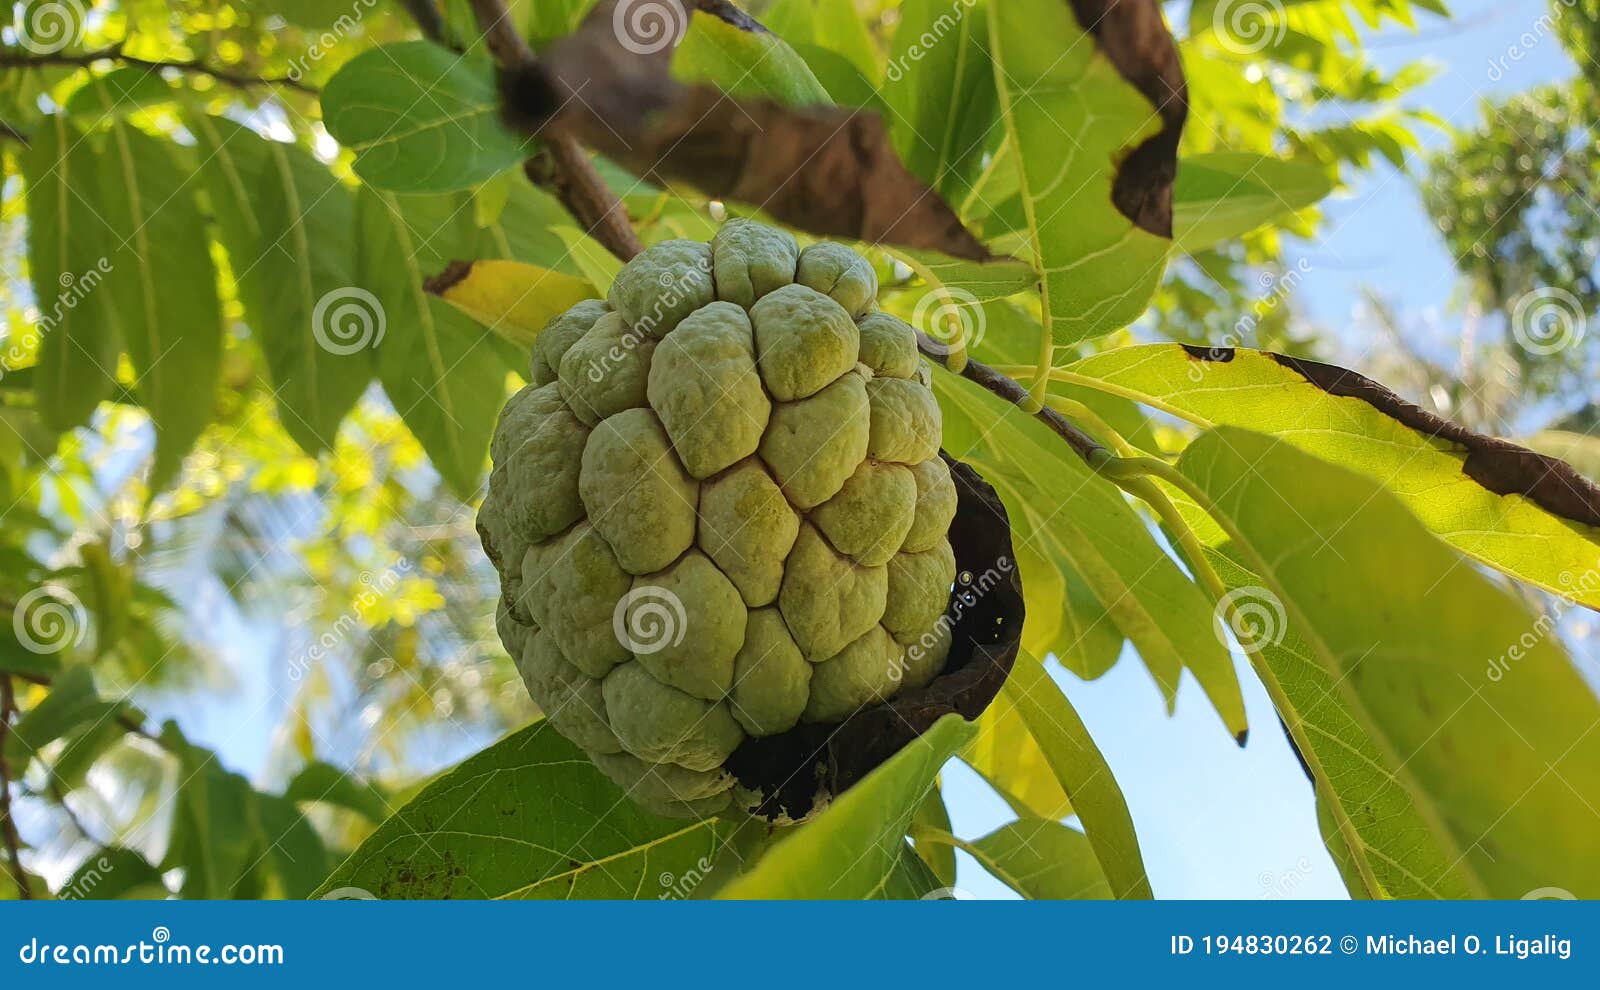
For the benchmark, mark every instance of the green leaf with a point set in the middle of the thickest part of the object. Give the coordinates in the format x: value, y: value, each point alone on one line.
x: 117, y: 92
x: 982, y: 280
x: 1471, y: 701
x: 292, y: 859
x: 1010, y: 761
x: 831, y: 24
x: 420, y: 118
x: 940, y: 85
x: 71, y: 702
x: 436, y: 363
x: 1072, y: 118
x: 215, y: 835
x: 113, y: 873
x: 1254, y: 389
x: 173, y: 337
x: 1040, y: 859
x: 1063, y: 511
x: 84, y: 748
x: 1083, y: 774
x: 288, y: 225
x: 1224, y: 194
x: 911, y: 878
x: 68, y: 243
x: 744, y: 63
x: 326, y: 783
x: 939, y: 857
x: 853, y: 849
x: 529, y: 817
x: 845, y: 84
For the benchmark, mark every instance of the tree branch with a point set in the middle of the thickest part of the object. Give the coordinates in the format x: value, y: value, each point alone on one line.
x: 561, y: 167
x: 564, y: 168
x: 8, y: 824
x: 1010, y: 390
x: 427, y: 17
x: 115, y: 53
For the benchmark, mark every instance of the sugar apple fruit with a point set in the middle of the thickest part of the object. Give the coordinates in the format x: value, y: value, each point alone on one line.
x: 718, y: 510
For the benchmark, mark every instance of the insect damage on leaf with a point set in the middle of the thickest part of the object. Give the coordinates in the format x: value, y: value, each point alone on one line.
x: 1136, y: 40
x: 1499, y: 465
x: 828, y: 170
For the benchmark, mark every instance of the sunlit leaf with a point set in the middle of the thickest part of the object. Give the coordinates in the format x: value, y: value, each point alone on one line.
x: 1429, y: 474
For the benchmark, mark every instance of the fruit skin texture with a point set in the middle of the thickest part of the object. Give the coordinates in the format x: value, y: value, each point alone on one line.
x: 718, y: 511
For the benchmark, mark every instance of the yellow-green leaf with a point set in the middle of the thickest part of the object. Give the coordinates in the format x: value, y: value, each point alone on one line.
x: 1429, y: 474
x: 511, y: 298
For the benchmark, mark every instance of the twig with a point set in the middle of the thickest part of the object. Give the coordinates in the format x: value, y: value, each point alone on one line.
x: 566, y: 171
x: 1010, y: 390
x: 8, y: 824
x: 563, y: 168
x: 427, y: 17
x: 116, y: 54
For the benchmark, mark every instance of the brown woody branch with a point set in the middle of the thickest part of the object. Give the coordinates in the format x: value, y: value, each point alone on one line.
x: 1010, y: 390
x: 561, y: 166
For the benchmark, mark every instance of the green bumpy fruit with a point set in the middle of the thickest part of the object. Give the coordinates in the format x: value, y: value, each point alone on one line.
x: 718, y: 511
